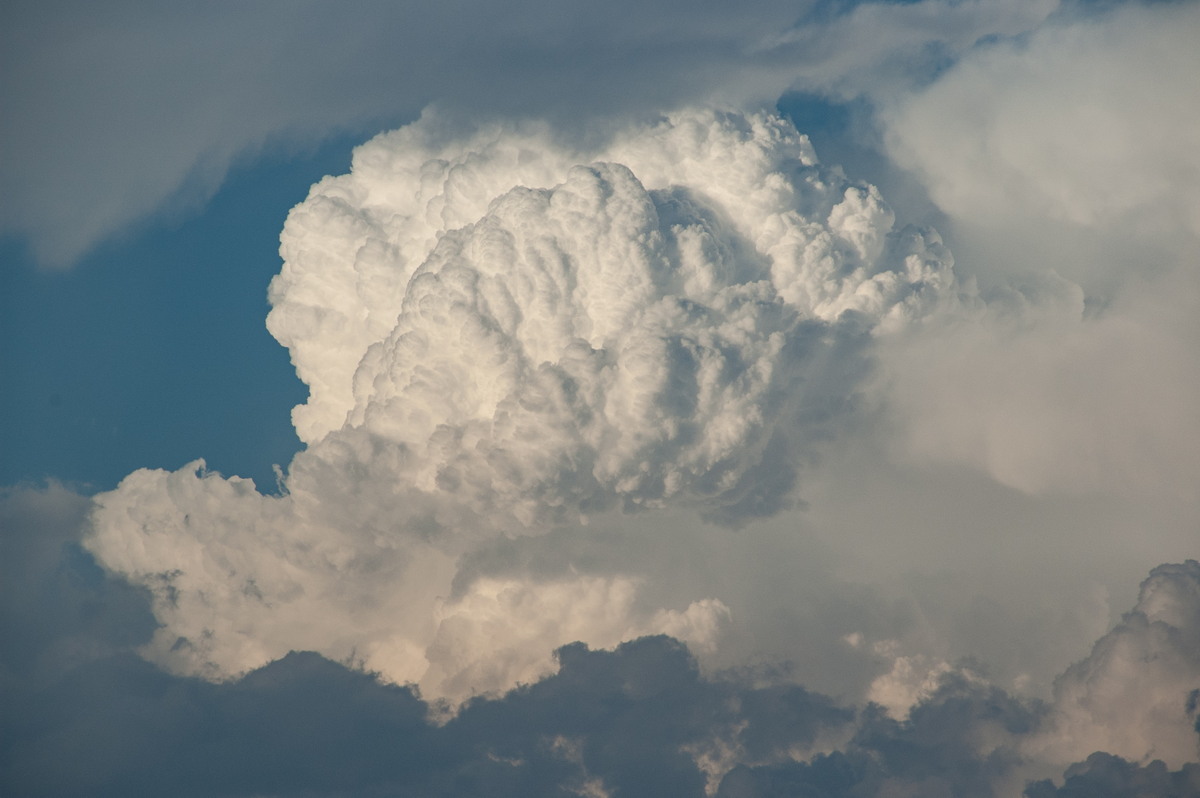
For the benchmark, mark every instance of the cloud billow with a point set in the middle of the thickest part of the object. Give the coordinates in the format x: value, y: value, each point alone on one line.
x: 567, y: 377
x: 502, y: 332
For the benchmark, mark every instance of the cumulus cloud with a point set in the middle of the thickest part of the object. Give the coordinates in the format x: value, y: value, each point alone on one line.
x: 538, y: 353
x: 1064, y: 163
x: 911, y: 679
x: 1134, y: 695
x: 502, y: 632
x: 1104, y: 774
x: 501, y: 334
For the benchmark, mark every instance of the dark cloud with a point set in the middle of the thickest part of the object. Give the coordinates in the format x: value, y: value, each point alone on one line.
x: 958, y: 742
x: 306, y: 726
x: 83, y: 715
x: 1107, y: 776
x: 57, y: 607
x: 630, y: 722
x: 299, y: 726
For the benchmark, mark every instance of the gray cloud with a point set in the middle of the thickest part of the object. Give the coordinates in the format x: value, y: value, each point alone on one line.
x: 1084, y: 122
x: 57, y: 607
x: 641, y: 719
x: 114, y: 113
x: 1104, y: 775
x: 1064, y: 164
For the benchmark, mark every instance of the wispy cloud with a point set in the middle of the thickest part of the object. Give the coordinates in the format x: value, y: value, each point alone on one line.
x: 114, y: 114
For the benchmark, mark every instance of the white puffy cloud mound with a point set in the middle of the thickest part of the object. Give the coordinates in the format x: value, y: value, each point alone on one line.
x: 537, y: 333
x: 502, y: 332
x: 1135, y: 695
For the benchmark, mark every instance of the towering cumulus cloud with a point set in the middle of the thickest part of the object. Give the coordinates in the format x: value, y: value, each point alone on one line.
x: 501, y: 333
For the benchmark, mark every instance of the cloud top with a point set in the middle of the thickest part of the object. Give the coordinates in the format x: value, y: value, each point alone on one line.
x: 502, y: 332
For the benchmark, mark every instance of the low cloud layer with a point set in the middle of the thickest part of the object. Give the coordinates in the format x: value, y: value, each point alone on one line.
x: 1086, y: 121
x: 640, y: 719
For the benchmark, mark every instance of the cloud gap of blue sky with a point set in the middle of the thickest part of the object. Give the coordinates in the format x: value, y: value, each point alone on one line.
x: 102, y: 392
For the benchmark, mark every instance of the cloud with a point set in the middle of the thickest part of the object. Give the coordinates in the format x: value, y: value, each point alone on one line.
x: 1086, y: 121
x: 958, y: 741
x: 642, y: 718
x: 1130, y: 697
x: 1048, y: 395
x: 502, y: 334
x: 504, y: 632
x: 116, y: 114
x: 885, y: 50
x: 620, y: 722
x: 1063, y: 161
x: 736, y: 200
x: 569, y: 380
x: 1104, y: 774
x: 57, y: 607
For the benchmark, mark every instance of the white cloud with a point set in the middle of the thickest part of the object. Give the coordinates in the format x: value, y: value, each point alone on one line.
x: 503, y: 334
x: 1066, y: 165
x: 352, y: 247
x: 1087, y: 121
x: 503, y: 632
x: 910, y: 680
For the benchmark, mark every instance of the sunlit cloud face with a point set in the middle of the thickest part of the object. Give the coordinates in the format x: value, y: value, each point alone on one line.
x: 501, y: 335
x: 644, y: 451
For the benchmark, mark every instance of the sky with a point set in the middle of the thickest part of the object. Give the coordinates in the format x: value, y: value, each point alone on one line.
x: 545, y: 398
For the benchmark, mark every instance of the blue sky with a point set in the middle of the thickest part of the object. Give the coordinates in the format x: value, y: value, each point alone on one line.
x: 647, y: 452
x: 96, y: 350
